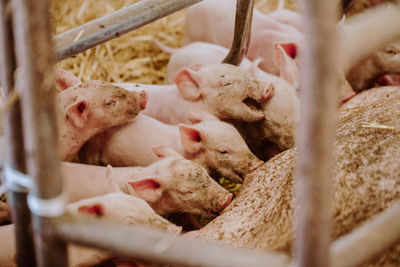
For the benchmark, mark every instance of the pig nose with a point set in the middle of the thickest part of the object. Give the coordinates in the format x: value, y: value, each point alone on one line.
x: 268, y: 91
x: 144, y: 100
x: 348, y: 97
x: 256, y: 164
x: 175, y: 229
x: 225, y: 202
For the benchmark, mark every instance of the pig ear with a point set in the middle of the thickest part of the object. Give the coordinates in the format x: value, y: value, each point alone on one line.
x: 190, y: 138
x: 285, y: 55
x: 147, y: 189
x: 95, y: 209
x: 66, y: 79
x: 187, y: 85
x: 114, y: 187
x: 164, y: 152
x: 78, y: 112
x: 253, y: 68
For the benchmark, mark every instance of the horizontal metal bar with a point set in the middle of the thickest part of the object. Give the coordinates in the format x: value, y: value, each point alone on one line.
x: 159, y: 247
x: 100, y: 30
x: 368, y: 240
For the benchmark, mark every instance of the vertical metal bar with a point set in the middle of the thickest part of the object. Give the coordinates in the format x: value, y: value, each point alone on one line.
x: 37, y: 88
x: 15, y: 146
x: 316, y: 134
x: 242, y: 34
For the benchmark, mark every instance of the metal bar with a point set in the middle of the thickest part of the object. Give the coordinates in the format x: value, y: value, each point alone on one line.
x: 25, y: 255
x: 242, y: 34
x: 98, y: 31
x: 368, y: 240
x: 316, y: 134
x: 159, y: 247
x: 36, y: 82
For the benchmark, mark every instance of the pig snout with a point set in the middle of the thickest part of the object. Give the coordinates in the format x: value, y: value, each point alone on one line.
x: 174, y: 229
x: 137, y: 102
x: 225, y: 202
x: 262, y: 93
x: 255, y: 165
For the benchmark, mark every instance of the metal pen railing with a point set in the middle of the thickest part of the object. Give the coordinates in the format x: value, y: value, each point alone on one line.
x: 53, y: 231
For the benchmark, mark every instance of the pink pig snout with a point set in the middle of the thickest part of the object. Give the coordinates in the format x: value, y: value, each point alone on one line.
x: 224, y: 203
x: 256, y: 164
x: 143, y: 104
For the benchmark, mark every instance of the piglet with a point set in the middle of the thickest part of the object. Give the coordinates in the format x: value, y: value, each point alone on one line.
x: 116, y: 207
x: 215, y: 145
x: 381, y: 67
x: 221, y: 90
x: 205, y: 55
x: 170, y: 185
x: 217, y: 26
x: 66, y: 79
x: 281, y: 111
x: 89, y: 108
x: 122, y: 208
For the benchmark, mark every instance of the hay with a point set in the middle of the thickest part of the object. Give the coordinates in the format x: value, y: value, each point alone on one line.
x: 132, y: 57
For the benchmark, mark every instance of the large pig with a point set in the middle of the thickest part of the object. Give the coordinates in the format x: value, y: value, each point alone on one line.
x: 381, y: 67
x: 89, y: 108
x: 365, y: 181
x: 115, y: 207
x: 215, y: 145
x: 170, y: 185
x: 217, y: 26
x: 222, y: 90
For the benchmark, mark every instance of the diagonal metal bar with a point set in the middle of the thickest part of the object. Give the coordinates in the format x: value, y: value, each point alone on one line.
x: 100, y: 30
x: 36, y: 84
x: 366, y: 241
x: 14, y: 146
x: 316, y: 134
x: 242, y: 34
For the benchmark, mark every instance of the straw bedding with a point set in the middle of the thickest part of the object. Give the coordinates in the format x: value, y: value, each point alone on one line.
x: 132, y: 57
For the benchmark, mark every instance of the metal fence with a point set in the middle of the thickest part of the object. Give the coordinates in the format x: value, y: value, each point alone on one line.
x: 27, y: 53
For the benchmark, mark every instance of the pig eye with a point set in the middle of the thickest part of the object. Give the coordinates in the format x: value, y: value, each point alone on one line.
x: 391, y: 50
x: 223, y: 151
x: 110, y: 103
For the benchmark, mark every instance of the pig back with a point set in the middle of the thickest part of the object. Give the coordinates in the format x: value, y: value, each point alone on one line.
x: 365, y: 181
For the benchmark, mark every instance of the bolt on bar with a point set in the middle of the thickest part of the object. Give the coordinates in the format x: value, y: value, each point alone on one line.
x: 316, y: 132
x: 14, y: 146
x: 368, y: 240
x: 159, y: 247
x: 114, y: 25
x: 37, y: 89
x: 242, y: 34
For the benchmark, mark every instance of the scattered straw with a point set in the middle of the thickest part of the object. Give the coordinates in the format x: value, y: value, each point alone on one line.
x: 377, y: 126
x: 78, y: 36
x: 132, y: 57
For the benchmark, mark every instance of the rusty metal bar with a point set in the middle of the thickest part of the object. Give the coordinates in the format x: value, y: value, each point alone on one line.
x: 36, y: 84
x: 100, y: 30
x: 368, y: 240
x: 159, y: 247
x: 316, y: 134
x: 242, y: 34
x: 14, y: 146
